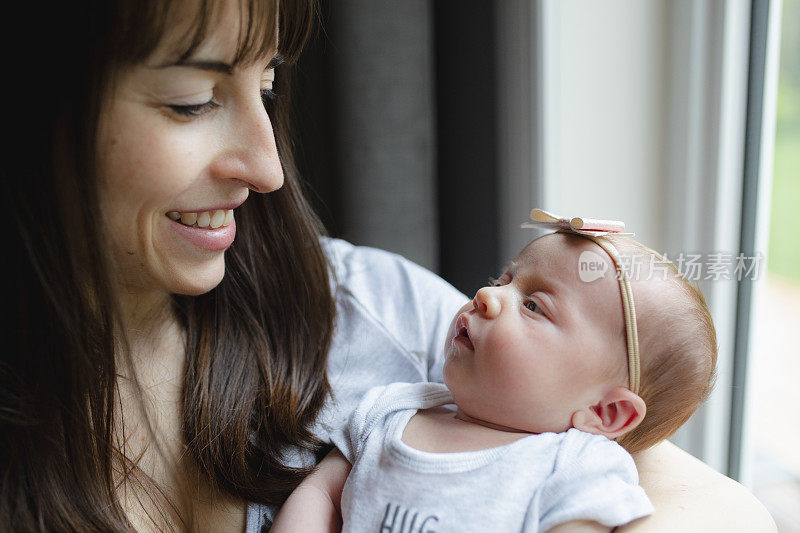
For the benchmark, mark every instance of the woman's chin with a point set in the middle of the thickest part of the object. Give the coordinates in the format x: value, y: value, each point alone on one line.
x: 199, y: 282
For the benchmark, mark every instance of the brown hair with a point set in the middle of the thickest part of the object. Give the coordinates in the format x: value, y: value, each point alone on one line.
x: 256, y: 344
x: 677, y: 346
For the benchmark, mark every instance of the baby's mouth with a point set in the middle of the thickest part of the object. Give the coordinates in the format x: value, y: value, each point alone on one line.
x: 219, y: 218
x: 462, y: 333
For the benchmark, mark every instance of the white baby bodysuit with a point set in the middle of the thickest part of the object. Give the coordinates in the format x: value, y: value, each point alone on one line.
x: 531, y: 484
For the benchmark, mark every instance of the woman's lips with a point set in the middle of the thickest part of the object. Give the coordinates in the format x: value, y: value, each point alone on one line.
x: 213, y: 240
x: 462, y: 332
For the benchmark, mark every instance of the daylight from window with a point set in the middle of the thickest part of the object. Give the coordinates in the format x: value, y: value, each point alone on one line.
x: 776, y: 360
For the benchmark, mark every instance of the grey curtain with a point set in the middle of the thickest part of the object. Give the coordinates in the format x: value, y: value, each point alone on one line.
x: 395, y: 114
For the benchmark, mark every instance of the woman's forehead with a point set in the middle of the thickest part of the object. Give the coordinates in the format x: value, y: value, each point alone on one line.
x: 225, y: 31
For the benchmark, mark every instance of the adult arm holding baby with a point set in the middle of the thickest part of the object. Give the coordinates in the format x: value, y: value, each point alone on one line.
x: 690, y: 496
x: 315, y: 505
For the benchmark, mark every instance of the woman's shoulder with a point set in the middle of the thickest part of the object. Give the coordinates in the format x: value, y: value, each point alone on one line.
x: 380, y: 293
x: 364, y: 269
x: 691, y: 496
x: 391, y: 322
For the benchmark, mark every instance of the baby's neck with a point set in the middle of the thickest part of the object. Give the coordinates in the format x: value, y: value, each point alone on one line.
x: 442, y: 430
x: 461, y: 415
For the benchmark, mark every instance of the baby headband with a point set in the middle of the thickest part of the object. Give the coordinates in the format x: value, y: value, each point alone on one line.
x: 596, y: 230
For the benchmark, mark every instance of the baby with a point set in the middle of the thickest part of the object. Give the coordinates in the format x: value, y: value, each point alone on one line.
x: 551, y: 386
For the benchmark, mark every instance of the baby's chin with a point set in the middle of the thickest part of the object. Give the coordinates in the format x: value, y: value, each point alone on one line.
x: 447, y: 366
x: 450, y: 372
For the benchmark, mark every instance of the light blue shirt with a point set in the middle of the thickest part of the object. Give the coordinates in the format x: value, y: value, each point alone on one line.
x: 391, y: 320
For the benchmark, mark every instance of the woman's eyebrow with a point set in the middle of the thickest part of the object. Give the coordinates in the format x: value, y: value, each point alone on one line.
x: 215, y: 66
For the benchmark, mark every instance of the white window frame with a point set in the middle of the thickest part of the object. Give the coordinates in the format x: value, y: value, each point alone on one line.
x: 708, y: 51
x: 742, y: 464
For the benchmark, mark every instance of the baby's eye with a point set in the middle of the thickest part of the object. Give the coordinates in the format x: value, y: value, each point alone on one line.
x: 533, y: 307
x: 493, y: 282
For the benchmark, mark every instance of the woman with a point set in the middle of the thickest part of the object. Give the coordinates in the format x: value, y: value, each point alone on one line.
x: 159, y: 373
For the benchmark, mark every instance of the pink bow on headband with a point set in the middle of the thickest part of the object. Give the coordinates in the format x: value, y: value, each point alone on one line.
x: 592, y: 227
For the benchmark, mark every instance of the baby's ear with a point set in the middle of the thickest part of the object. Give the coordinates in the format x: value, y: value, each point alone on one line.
x: 617, y: 413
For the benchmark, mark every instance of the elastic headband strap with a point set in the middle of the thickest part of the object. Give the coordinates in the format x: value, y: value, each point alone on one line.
x: 628, y: 309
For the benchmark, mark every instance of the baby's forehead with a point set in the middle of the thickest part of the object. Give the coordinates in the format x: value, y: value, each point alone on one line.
x: 562, y: 253
x: 579, y: 272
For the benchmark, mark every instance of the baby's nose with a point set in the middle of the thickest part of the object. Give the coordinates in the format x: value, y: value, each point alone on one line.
x: 486, y: 302
x: 478, y: 305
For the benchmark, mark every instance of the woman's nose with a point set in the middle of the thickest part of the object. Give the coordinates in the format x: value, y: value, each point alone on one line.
x: 486, y: 302
x: 252, y: 153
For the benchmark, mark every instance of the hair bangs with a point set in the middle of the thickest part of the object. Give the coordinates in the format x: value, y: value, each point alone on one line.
x: 257, y: 21
x: 261, y: 25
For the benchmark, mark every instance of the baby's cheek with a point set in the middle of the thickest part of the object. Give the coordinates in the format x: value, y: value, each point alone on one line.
x: 505, y: 342
x: 500, y: 368
x: 511, y: 361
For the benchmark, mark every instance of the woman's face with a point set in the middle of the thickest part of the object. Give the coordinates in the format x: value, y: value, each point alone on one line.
x: 180, y: 148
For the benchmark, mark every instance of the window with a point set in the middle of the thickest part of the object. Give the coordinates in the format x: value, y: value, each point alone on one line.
x: 775, y: 359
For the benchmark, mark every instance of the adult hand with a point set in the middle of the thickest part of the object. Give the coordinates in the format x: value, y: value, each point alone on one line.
x: 690, y: 496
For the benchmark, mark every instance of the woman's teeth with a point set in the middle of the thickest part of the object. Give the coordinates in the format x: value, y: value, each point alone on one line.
x: 204, y: 219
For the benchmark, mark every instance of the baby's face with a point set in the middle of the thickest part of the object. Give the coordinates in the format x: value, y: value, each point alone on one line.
x: 539, y: 344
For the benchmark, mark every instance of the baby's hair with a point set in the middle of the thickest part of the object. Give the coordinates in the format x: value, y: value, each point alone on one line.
x: 677, y: 346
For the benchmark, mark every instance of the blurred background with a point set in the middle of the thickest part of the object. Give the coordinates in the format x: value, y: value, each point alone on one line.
x: 431, y: 128
x: 775, y: 429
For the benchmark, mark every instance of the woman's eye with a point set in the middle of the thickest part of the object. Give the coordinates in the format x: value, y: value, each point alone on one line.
x: 194, y: 110
x: 533, y: 307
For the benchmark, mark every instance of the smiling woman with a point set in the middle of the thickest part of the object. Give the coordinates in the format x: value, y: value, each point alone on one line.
x: 148, y: 364
x: 161, y: 156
